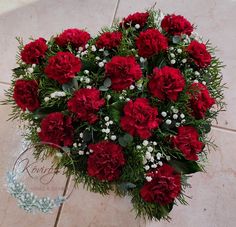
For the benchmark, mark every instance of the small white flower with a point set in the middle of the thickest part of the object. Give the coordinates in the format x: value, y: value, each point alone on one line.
x: 108, y: 97
x: 163, y: 114
x: 127, y: 99
x: 167, y: 157
x: 197, y: 73
x: 149, y: 179
x: 175, y: 110
x: 160, y: 163
x: 106, y: 118
x: 107, y: 123
x: 46, y: 99
x: 171, y: 48
x: 90, y: 150
x: 144, y: 161
x: 183, y: 121
x: 113, y: 137
x: 101, y: 50
x: 175, y: 116
x: 103, y: 130
x: 87, y: 80
x: 184, y: 60
x: 172, y: 62
x: 84, y: 53
x: 53, y: 95
x: 108, y: 130
x: 137, y: 26
x: 152, y: 159
x: 100, y: 64
x: 182, y: 115
x: 154, y: 166
x: 74, y: 144
x: 97, y: 58
x: 195, y: 81
x: 179, y: 51
x: 121, y: 97
x: 204, y: 82
x: 131, y: 87
x: 150, y: 149
x: 81, y: 49
x: 59, y: 154
x: 177, y: 124
x: 158, y: 155
x: 86, y: 46
x: 142, y: 59
x: 145, y: 143
x: 104, y: 61
x: 81, y: 152
x: 86, y: 72
x: 38, y: 129
x: 168, y: 121
x: 154, y: 143
x: 138, y: 147
x: 93, y: 48
x: 111, y: 122
x: 146, y: 167
x: 30, y: 70
x: 81, y: 135
x: 172, y: 55
x: 148, y: 155
x: 89, y: 87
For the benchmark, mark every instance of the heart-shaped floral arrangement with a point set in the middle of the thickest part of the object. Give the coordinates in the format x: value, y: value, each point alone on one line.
x: 131, y: 107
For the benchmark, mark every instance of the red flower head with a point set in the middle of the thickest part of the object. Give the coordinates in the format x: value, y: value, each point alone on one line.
x: 166, y: 83
x: 85, y: 104
x: 164, y: 187
x: 136, y: 18
x: 106, y: 161
x: 76, y: 37
x: 200, y: 100
x: 34, y: 51
x: 187, y: 141
x: 139, y: 118
x: 123, y: 71
x: 57, y: 129
x: 63, y: 67
x: 109, y: 40
x: 26, y: 94
x: 151, y: 42
x: 198, y: 52
x: 176, y: 25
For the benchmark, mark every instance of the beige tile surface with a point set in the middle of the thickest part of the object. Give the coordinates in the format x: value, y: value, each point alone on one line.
x: 215, y: 20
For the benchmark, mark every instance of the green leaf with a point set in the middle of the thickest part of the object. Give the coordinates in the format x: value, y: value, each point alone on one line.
x: 185, y: 166
x: 128, y: 138
x: 107, y: 82
x: 122, y: 142
x: 18, y: 71
x: 176, y: 39
x: 68, y: 87
x: 126, y: 186
x: 87, y: 136
x: 115, y: 111
x: 103, y: 88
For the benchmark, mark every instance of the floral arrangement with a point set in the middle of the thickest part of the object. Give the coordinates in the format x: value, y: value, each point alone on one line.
x: 130, y: 107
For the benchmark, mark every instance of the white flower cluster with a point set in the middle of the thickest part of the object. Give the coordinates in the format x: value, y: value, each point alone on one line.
x: 123, y: 95
x: 78, y: 145
x: 54, y: 95
x: 173, y: 117
x: 106, y: 129
x: 175, y: 54
x: 198, y: 78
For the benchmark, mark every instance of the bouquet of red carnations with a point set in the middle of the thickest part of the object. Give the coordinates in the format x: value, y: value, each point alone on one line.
x: 127, y: 110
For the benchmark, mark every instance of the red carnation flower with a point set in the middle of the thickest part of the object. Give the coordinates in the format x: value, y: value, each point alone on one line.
x: 106, y: 161
x: 139, y: 118
x: 26, y: 94
x: 166, y: 83
x: 34, y: 51
x: 176, y: 25
x: 164, y: 187
x: 57, y: 129
x: 109, y: 40
x: 76, y: 37
x: 151, y: 42
x: 136, y: 18
x: 187, y: 141
x: 85, y: 104
x: 200, y: 100
x: 198, y: 52
x: 63, y: 67
x: 123, y: 71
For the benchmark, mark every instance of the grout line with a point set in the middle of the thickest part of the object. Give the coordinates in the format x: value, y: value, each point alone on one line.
x: 61, y: 207
x: 115, y: 12
x: 223, y: 128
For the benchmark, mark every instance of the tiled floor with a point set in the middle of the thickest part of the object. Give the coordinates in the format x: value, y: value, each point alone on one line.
x: 214, y: 194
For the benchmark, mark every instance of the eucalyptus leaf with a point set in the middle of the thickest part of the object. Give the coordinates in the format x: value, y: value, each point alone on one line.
x: 176, y: 39
x: 128, y: 138
x: 122, y: 142
x: 87, y: 136
x: 185, y: 166
x: 103, y: 88
x: 107, y: 82
x: 126, y: 186
x: 68, y: 87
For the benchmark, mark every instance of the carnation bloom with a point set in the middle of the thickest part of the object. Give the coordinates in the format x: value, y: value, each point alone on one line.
x: 109, y: 40
x: 34, y: 51
x: 139, y: 118
x: 26, y: 94
x: 151, y: 42
x: 106, y: 161
x: 123, y: 71
x: 63, y: 67
x: 57, y: 129
x: 176, y: 25
x: 75, y: 37
x: 200, y: 100
x: 85, y: 103
x: 198, y: 52
x: 136, y: 18
x: 187, y: 141
x: 164, y: 187
x: 166, y: 83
